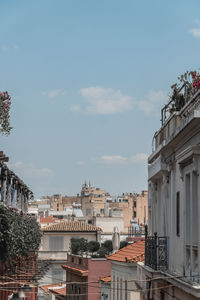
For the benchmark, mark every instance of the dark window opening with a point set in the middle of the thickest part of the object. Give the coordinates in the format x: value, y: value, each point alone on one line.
x: 178, y: 213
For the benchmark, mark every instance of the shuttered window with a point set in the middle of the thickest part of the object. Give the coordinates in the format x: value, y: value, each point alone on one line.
x: 56, y: 243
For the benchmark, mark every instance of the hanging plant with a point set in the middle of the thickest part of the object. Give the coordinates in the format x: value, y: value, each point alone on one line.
x: 5, y: 102
x: 19, y: 234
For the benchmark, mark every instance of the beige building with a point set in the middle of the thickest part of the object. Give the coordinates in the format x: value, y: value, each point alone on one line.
x: 140, y: 208
x: 55, y: 244
x: 134, y: 207
x: 124, y: 273
x: 125, y: 204
x: 56, y: 237
x: 93, y: 201
x: 107, y: 224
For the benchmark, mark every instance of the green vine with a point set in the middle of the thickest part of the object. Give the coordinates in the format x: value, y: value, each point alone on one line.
x: 19, y: 234
x: 5, y: 102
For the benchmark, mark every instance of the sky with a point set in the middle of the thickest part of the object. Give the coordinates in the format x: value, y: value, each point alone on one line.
x: 88, y: 79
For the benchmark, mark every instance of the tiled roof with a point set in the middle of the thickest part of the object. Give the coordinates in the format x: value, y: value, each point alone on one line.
x: 75, y: 270
x: 71, y: 226
x: 49, y: 219
x: 106, y: 279
x: 46, y: 288
x: 59, y: 291
x: 131, y: 253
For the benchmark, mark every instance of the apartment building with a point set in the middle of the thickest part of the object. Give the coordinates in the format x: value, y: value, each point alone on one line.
x: 172, y: 256
x: 56, y: 242
x: 140, y: 208
x: 93, y: 201
x: 83, y: 276
x: 122, y: 282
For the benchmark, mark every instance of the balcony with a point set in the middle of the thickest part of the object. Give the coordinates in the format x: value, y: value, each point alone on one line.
x: 53, y: 255
x: 156, y: 252
x: 176, y: 126
x: 156, y: 167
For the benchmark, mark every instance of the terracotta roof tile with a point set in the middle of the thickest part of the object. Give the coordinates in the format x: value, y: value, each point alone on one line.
x: 49, y: 219
x: 46, y: 288
x: 131, y: 253
x: 71, y: 226
x: 60, y: 291
x: 76, y: 270
x: 106, y: 279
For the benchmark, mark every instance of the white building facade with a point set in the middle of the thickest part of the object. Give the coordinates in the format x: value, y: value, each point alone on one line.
x: 173, y: 243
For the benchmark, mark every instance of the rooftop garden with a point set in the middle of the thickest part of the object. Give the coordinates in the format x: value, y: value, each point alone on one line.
x: 187, y: 86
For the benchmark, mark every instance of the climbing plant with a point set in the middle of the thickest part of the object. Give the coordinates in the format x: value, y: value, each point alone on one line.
x: 5, y: 102
x: 19, y: 234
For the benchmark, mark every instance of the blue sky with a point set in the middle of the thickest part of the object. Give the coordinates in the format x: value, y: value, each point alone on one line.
x: 87, y: 81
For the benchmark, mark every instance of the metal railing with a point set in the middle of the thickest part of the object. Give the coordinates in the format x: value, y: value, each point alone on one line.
x: 136, y: 231
x: 156, y: 252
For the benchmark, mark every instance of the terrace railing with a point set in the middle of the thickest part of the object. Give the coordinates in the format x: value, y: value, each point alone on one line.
x: 156, y: 252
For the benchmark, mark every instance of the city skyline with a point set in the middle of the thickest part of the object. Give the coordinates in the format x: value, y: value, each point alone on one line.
x: 88, y: 81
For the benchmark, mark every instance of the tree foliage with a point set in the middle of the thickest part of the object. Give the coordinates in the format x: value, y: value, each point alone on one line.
x: 102, y: 252
x: 123, y: 244
x: 93, y: 246
x: 5, y: 101
x: 108, y: 245
x: 78, y: 245
x: 19, y: 234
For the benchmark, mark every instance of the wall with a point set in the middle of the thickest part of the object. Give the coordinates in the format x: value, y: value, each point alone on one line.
x: 90, y: 236
x: 121, y: 276
x: 141, y: 208
x: 97, y: 268
x: 108, y: 223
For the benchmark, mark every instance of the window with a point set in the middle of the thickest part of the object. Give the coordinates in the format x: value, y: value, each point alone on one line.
x: 114, y: 287
x: 126, y: 287
x: 56, y: 243
x: 178, y: 213
x: 88, y: 211
x: 101, y: 211
x: 117, y: 288
x: 134, y: 214
x: 162, y: 295
x: 120, y: 290
x: 134, y: 203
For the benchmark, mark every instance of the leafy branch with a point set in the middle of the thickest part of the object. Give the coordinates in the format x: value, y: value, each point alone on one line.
x: 19, y: 234
x: 5, y: 102
x: 188, y: 85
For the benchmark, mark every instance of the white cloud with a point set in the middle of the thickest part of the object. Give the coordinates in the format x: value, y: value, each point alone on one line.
x: 195, y: 32
x: 139, y: 157
x: 118, y: 159
x: 105, y: 101
x: 80, y: 162
x: 113, y: 159
x: 153, y: 102
x: 75, y: 108
x: 5, y: 48
x: 30, y: 170
x: 54, y: 93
